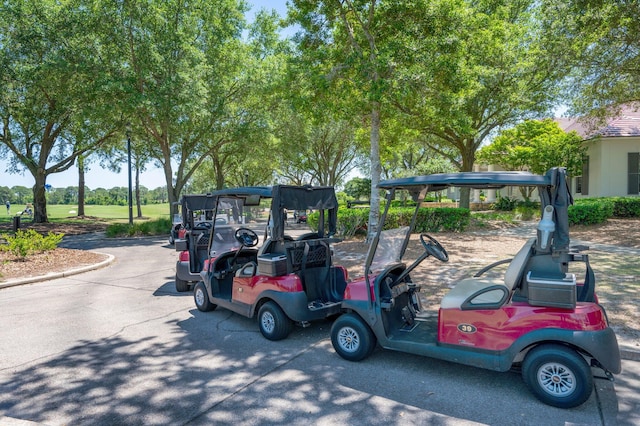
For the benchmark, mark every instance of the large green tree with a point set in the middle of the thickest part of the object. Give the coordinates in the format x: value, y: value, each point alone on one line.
x: 601, y: 40
x: 182, y: 65
x: 536, y: 146
x: 470, y: 68
x: 346, y: 48
x: 52, y: 82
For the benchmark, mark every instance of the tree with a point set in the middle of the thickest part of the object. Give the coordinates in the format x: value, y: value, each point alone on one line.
x: 319, y: 154
x: 600, y: 39
x: 536, y: 146
x: 52, y: 80
x: 469, y: 69
x: 358, y: 188
x: 345, y: 47
x: 190, y: 78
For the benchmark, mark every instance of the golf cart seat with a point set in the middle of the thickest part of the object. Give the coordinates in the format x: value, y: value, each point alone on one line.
x: 489, y: 293
x: 247, y: 270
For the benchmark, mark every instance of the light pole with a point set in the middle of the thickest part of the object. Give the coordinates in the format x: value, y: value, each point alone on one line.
x: 129, y: 170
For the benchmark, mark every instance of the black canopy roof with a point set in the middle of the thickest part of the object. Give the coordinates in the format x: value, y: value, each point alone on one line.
x: 290, y: 197
x: 478, y: 180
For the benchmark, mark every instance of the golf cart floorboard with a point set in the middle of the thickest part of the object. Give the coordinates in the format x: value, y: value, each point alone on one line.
x: 318, y: 305
x: 424, y: 329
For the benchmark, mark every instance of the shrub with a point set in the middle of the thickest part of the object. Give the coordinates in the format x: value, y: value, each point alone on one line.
x: 26, y: 242
x: 148, y: 227
x: 350, y: 221
x: 505, y: 204
x: 452, y: 219
x: 626, y: 207
x: 590, y: 211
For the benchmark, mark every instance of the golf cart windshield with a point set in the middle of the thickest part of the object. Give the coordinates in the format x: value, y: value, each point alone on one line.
x: 389, y: 248
x: 231, y: 214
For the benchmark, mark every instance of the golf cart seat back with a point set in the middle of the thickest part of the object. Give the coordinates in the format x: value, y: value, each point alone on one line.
x: 311, y: 261
x: 199, y: 252
x: 490, y: 293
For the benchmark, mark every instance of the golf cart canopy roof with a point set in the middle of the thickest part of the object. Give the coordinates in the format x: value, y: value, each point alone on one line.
x: 288, y: 197
x: 477, y: 180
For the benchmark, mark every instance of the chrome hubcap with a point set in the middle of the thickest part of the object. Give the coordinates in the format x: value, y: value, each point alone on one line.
x: 556, y: 379
x: 199, y: 297
x: 268, y: 322
x: 348, y: 339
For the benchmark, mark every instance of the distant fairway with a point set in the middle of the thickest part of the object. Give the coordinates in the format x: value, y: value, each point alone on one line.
x: 60, y: 212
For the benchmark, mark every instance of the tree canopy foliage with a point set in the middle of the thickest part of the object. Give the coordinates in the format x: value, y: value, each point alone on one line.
x: 389, y: 87
x: 600, y: 40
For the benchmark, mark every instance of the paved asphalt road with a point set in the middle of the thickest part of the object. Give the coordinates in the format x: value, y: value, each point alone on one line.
x: 118, y: 345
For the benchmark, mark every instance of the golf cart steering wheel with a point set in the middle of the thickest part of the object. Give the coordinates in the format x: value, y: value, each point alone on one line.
x: 246, y: 237
x: 434, y: 248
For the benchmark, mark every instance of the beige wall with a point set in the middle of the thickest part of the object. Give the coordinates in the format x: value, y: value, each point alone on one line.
x: 608, y: 166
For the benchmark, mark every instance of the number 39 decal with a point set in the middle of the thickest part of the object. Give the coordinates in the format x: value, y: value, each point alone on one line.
x: 466, y: 328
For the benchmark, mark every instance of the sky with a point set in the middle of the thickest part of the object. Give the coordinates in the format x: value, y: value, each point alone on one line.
x: 97, y: 177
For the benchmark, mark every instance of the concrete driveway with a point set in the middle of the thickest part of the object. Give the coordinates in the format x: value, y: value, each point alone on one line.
x: 118, y: 345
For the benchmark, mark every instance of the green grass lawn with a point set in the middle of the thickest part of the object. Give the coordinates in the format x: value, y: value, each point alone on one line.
x: 61, y: 212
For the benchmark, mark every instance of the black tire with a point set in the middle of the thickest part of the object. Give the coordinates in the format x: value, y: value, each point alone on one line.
x: 182, y: 285
x: 201, y: 297
x: 273, y: 322
x: 352, y: 338
x: 557, y: 376
x: 171, y: 239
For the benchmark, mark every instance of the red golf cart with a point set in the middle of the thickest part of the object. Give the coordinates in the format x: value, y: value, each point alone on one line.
x: 192, y: 238
x: 288, y: 279
x: 541, y: 315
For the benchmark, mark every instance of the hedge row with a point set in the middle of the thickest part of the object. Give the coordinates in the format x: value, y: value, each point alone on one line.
x: 585, y: 211
x: 354, y: 221
x: 588, y: 211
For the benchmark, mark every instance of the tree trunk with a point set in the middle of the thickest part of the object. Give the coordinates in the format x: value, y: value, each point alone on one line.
x: 468, y: 158
x: 40, y: 198
x: 80, y: 164
x: 376, y: 168
x: 139, y: 208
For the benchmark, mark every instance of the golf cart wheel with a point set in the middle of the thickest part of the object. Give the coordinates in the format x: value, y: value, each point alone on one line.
x: 352, y: 338
x: 274, y: 323
x: 201, y: 297
x: 557, y: 376
x: 182, y: 285
x: 171, y: 239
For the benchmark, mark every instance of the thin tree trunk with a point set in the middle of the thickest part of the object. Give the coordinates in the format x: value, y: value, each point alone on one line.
x: 376, y: 168
x: 80, y: 164
x: 138, y: 191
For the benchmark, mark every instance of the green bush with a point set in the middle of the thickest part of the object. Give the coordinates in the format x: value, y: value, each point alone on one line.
x: 505, y: 204
x: 626, y: 206
x: 442, y: 219
x: 354, y: 221
x: 589, y: 211
x: 26, y: 242
x: 148, y: 227
x: 350, y: 221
